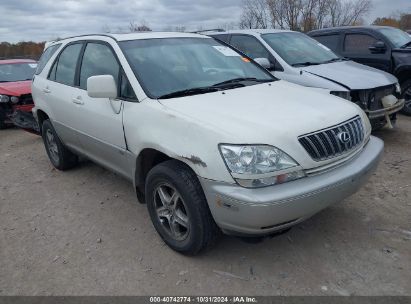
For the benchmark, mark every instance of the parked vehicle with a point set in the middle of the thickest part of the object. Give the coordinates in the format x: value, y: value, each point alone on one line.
x: 210, y: 140
x: 297, y: 58
x: 15, y: 90
x: 381, y: 47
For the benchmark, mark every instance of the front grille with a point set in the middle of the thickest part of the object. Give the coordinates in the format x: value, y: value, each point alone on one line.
x: 328, y: 143
x: 371, y: 99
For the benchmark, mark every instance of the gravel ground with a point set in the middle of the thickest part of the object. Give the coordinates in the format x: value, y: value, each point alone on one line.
x: 82, y: 233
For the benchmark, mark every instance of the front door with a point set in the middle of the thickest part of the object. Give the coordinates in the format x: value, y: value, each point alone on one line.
x: 356, y: 47
x: 101, y: 119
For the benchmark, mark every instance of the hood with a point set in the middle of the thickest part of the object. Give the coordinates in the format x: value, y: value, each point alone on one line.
x: 352, y: 75
x: 15, y: 88
x: 272, y: 113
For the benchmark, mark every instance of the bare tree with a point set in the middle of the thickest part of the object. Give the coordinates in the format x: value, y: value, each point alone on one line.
x: 348, y: 12
x: 302, y: 15
x: 255, y: 14
x: 141, y: 27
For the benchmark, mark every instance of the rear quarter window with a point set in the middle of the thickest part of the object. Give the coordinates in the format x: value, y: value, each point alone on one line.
x: 45, y: 57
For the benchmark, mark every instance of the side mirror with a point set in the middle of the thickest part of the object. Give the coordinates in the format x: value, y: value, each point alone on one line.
x: 101, y: 86
x: 378, y: 47
x: 264, y: 62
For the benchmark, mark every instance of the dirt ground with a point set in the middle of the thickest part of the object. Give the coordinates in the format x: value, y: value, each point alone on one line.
x: 82, y: 232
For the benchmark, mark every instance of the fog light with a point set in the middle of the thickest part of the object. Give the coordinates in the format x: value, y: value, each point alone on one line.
x: 270, y: 181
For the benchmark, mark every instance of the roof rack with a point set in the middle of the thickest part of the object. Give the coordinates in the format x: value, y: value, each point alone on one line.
x: 210, y: 30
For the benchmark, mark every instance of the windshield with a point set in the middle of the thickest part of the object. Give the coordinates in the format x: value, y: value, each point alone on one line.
x: 170, y: 65
x: 17, y: 71
x: 397, y: 37
x: 299, y: 49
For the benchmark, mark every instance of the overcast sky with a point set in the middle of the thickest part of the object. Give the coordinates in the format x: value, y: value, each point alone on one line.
x: 41, y: 20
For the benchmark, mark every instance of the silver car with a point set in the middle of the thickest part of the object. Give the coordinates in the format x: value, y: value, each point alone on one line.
x: 297, y: 58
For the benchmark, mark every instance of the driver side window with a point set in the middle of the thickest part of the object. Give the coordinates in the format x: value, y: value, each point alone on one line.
x: 98, y: 59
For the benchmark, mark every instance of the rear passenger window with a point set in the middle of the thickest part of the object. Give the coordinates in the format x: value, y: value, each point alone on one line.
x: 330, y: 41
x: 98, y: 59
x: 249, y: 46
x: 45, y: 57
x: 64, y: 68
x: 358, y: 43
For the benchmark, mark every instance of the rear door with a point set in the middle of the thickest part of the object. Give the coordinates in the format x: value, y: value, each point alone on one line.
x: 356, y: 47
x: 100, y: 119
x: 59, y: 90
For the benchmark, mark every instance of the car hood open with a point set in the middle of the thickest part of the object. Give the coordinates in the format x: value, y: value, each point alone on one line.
x: 17, y: 88
x: 352, y: 75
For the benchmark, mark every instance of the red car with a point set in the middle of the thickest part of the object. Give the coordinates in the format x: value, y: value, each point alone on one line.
x: 15, y: 93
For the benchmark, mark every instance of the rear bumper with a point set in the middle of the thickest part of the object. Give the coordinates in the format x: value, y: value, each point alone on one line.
x: 382, y: 112
x: 262, y: 211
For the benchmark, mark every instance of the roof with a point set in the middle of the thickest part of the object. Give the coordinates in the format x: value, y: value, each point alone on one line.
x: 332, y: 29
x: 13, y: 61
x: 135, y: 36
x: 251, y: 31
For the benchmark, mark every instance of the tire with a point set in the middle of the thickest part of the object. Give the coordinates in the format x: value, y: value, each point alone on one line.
x: 183, y: 220
x: 61, y: 158
x: 406, y: 94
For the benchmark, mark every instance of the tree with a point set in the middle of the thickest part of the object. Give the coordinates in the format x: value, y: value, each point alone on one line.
x: 141, y: 27
x: 405, y: 22
x: 304, y: 15
x: 387, y: 21
x: 255, y: 14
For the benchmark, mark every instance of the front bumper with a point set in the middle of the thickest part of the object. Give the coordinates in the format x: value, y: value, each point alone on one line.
x: 262, y: 211
x: 386, y: 111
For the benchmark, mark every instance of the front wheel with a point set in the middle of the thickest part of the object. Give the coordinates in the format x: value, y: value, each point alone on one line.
x: 178, y: 208
x: 406, y: 94
x: 59, y: 155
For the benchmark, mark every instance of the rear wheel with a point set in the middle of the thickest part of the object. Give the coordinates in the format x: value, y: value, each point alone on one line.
x: 406, y: 94
x: 59, y: 155
x: 178, y: 208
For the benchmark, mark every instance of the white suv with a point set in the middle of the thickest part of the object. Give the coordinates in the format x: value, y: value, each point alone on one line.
x: 211, y: 141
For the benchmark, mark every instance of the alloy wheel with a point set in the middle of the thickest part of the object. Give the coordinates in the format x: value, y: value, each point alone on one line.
x: 52, y: 145
x: 171, y: 211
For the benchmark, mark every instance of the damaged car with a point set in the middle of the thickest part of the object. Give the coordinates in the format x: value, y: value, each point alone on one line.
x: 297, y: 58
x: 211, y: 141
x: 16, y: 101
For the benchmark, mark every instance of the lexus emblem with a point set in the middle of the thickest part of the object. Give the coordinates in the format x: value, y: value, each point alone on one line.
x: 344, y: 137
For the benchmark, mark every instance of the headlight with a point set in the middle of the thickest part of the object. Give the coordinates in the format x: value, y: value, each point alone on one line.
x: 259, y: 166
x: 398, y: 88
x: 342, y: 94
x: 14, y: 99
x: 4, y: 98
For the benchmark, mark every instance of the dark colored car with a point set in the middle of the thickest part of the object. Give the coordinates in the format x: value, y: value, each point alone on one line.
x: 16, y: 101
x: 382, y: 47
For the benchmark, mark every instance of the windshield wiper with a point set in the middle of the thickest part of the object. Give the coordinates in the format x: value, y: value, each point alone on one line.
x: 335, y: 60
x: 307, y: 63
x: 406, y: 45
x: 189, y: 92
x: 240, y: 79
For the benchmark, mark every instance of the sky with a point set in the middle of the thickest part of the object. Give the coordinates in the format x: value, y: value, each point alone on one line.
x: 43, y: 20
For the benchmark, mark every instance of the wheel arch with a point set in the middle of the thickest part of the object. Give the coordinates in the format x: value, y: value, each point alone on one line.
x: 146, y: 160
x: 41, y: 117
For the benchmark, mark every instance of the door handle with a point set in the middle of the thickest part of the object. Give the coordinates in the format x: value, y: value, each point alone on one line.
x: 46, y: 90
x: 77, y: 100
